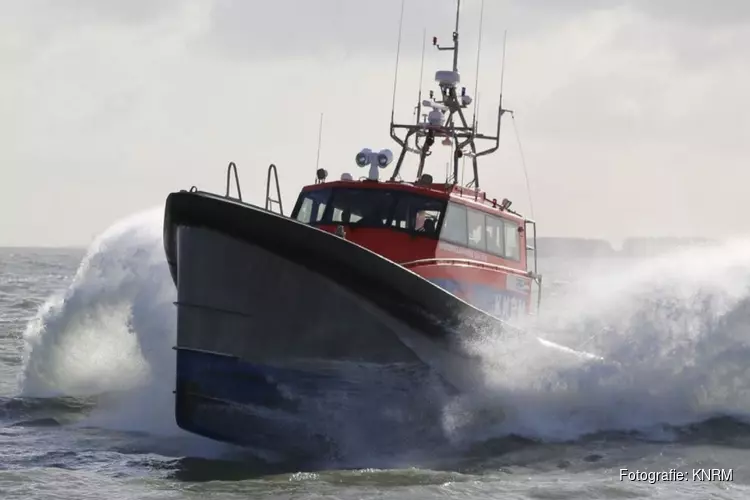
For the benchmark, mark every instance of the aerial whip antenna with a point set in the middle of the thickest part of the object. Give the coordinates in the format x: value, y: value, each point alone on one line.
x: 421, y: 74
x: 320, y: 137
x: 479, y: 51
x: 455, y: 37
x: 398, y: 52
x: 523, y: 164
x: 502, y: 68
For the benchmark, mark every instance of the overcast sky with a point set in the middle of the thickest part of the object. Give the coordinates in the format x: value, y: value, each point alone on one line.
x: 634, y: 116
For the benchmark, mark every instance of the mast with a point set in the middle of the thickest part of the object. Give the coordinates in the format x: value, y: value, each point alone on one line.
x: 440, y: 122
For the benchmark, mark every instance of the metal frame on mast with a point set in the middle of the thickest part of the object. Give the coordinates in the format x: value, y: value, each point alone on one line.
x: 440, y: 121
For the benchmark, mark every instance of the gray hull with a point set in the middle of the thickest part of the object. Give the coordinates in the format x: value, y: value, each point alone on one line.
x: 296, y: 363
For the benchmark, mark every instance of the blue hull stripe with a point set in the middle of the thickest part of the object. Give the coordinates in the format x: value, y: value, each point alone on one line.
x: 301, y: 412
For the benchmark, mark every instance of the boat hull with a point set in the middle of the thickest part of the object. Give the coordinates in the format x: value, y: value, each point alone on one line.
x: 299, y: 344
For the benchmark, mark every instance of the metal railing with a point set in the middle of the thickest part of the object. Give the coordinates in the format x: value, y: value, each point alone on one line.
x: 233, y: 168
x: 269, y: 200
x: 534, y: 272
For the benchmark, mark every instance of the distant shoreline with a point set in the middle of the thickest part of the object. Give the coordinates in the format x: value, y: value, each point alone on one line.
x: 631, y: 247
x: 549, y: 246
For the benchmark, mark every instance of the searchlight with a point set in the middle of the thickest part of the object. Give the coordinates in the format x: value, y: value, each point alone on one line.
x: 385, y: 157
x: 377, y: 161
x: 364, y: 157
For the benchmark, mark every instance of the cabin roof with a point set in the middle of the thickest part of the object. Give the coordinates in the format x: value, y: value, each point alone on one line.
x: 476, y: 199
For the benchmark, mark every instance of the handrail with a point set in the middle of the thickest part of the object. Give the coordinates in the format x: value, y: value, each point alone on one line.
x: 230, y: 168
x: 272, y: 170
x: 464, y: 262
x: 537, y: 276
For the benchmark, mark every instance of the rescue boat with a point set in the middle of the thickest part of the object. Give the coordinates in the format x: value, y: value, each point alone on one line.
x: 352, y: 317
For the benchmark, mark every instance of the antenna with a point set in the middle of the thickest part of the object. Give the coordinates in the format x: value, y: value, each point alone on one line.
x: 455, y: 37
x: 421, y: 69
x: 479, y: 51
x: 398, y: 53
x: 447, y: 121
x: 421, y: 74
x: 476, y: 106
x: 454, y: 48
x: 463, y: 169
x: 320, y: 137
x: 502, y: 68
x: 523, y: 163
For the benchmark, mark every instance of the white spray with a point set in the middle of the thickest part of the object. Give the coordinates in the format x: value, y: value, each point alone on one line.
x: 112, y: 330
x: 673, y: 332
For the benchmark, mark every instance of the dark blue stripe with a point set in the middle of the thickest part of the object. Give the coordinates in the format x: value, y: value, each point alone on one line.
x: 288, y: 410
x: 231, y: 379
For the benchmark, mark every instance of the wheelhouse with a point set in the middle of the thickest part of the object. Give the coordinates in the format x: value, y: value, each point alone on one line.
x: 405, y: 222
x: 357, y: 205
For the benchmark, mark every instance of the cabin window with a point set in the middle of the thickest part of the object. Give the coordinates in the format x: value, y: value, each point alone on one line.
x: 454, y: 224
x: 418, y: 213
x: 362, y: 207
x: 311, y: 206
x: 373, y: 208
x: 305, y: 211
x: 475, y: 221
x: 495, y: 235
x: 320, y: 212
x: 512, y: 241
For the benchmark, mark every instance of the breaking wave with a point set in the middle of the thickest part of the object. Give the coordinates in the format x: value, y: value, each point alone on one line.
x: 112, y: 330
x: 671, y: 332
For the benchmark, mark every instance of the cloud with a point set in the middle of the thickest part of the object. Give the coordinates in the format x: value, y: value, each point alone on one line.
x: 643, y: 85
x: 730, y: 12
x: 346, y: 28
x: 108, y: 106
x: 67, y: 14
x: 695, y: 12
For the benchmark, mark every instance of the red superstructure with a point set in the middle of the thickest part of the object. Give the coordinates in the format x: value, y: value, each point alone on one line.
x: 473, y: 246
x: 457, y: 237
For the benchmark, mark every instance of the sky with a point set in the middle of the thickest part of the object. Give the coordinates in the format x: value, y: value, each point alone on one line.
x: 633, y: 115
